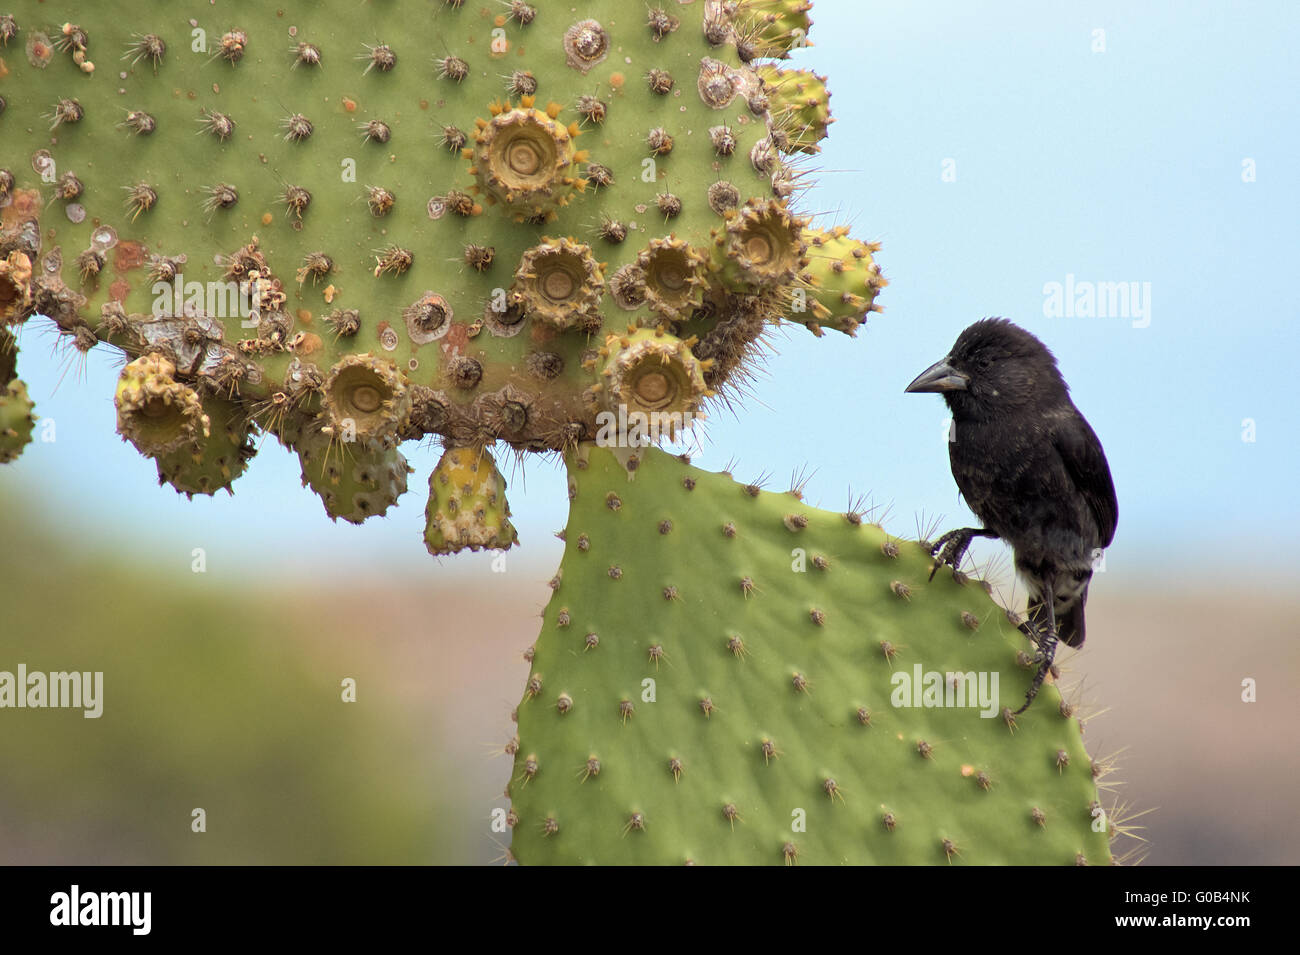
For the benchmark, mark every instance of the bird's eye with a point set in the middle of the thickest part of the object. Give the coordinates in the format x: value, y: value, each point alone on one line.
x: 985, y: 361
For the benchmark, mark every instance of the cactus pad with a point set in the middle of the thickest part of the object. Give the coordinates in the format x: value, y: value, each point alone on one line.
x: 718, y: 681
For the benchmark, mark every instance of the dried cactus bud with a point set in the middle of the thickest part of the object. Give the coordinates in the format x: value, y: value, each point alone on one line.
x: 524, y: 160
x: 365, y: 399
x: 155, y: 412
x: 651, y: 371
x: 558, y: 282
x: 675, y: 277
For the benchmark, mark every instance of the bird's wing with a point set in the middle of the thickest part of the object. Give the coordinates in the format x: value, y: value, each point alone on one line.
x: 1085, y: 462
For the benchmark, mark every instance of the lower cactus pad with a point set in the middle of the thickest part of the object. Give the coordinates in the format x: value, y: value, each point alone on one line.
x: 728, y: 676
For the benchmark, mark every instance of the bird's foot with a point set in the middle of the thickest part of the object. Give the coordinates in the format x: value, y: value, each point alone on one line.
x: 951, y: 548
x: 1045, y: 658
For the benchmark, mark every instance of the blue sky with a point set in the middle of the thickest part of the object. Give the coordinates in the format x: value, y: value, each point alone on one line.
x: 1124, y: 165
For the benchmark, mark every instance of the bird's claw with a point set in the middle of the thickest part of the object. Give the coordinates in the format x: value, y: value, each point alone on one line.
x: 951, y: 548
x: 1045, y: 657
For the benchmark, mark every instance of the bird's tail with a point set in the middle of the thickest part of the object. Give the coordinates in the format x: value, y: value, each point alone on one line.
x: 1070, y: 626
x: 1069, y: 620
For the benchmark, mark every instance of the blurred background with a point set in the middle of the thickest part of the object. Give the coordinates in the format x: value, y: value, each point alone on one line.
x: 993, y: 149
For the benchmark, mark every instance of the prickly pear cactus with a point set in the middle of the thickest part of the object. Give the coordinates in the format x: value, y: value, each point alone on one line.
x: 728, y: 676
x: 355, y: 224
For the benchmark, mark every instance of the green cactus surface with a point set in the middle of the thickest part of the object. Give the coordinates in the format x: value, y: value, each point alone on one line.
x: 379, y: 221
x: 718, y: 680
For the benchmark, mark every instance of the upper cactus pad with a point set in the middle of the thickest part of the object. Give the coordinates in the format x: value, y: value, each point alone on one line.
x: 403, y: 221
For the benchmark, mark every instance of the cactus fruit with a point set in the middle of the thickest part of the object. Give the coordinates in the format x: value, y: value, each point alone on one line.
x: 842, y: 277
x: 718, y: 680
x: 761, y: 246
x: 205, y: 466
x: 467, y: 505
x: 365, y: 399
x: 800, y: 107
x: 674, y: 277
x: 524, y: 159
x: 355, y: 480
x: 772, y: 28
x: 559, y: 284
x: 362, y: 241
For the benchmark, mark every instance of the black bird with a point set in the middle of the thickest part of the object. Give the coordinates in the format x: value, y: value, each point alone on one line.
x: 1032, y: 470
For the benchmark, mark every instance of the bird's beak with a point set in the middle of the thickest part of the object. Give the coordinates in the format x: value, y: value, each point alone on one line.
x: 939, y: 377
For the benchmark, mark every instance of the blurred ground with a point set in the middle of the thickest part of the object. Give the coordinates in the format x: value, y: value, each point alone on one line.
x: 227, y: 697
x: 1164, y: 666
x: 215, y: 697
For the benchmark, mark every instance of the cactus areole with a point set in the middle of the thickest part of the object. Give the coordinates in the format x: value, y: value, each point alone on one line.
x: 351, y: 244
